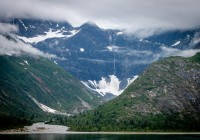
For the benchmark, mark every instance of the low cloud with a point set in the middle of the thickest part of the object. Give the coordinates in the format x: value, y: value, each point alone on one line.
x: 95, y: 60
x: 166, y: 52
x: 10, y: 45
x: 139, y: 53
x: 128, y: 51
x: 7, y: 28
x: 143, y: 62
x: 141, y: 17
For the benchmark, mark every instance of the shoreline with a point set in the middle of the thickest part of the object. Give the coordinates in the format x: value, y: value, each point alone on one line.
x: 42, y: 128
x: 106, y: 133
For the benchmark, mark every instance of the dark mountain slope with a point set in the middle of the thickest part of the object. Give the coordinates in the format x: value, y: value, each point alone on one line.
x: 166, y: 97
x: 33, y: 86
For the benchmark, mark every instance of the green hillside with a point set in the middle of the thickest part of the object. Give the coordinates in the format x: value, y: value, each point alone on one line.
x: 166, y: 97
x: 31, y: 87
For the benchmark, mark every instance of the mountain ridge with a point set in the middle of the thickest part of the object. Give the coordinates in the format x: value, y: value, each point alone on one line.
x: 164, y: 98
x: 102, y: 52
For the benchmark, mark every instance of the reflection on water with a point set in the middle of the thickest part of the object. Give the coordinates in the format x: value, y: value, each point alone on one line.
x: 96, y: 137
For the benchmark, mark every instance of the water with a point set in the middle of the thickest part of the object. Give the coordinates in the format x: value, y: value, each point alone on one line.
x: 96, y: 137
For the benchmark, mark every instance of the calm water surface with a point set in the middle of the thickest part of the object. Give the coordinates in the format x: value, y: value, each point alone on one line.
x: 96, y: 137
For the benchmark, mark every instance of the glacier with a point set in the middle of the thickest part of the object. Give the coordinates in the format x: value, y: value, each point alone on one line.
x: 108, y: 85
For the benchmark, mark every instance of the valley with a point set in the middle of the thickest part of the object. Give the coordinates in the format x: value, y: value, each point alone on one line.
x: 107, y: 54
x: 94, y: 79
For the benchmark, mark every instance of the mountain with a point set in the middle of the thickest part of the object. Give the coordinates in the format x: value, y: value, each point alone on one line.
x: 102, y: 58
x: 33, y: 87
x: 165, y: 97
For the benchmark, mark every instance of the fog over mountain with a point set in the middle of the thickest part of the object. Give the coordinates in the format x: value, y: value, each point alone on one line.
x: 11, y: 45
x: 141, y: 17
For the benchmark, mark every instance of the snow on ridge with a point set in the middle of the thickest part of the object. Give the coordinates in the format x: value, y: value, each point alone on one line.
x: 131, y: 80
x: 50, y: 23
x: 39, y: 38
x: 177, y: 43
x: 73, y: 32
x: 47, y: 109
x: 108, y: 86
x: 42, y: 106
x: 49, y: 34
x: 21, y: 63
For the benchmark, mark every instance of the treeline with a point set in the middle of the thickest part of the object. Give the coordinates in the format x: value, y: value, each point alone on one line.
x: 93, y: 121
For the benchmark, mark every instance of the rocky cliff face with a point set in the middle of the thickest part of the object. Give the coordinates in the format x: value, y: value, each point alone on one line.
x: 165, y: 97
x: 172, y: 84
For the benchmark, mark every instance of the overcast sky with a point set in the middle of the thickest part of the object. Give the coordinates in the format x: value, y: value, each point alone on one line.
x: 134, y: 15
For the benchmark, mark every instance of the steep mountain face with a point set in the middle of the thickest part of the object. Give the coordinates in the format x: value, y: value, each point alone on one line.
x: 165, y: 97
x: 99, y: 57
x: 178, y: 39
x: 36, y: 86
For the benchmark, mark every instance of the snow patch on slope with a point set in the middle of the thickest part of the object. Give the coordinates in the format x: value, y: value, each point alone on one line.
x: 23, y: 24
x: 177, y: 43
x: 111, y: 85
x: 82, y: 49
x: 26, y: 62
x: 49, y: 34
x: 46, y: 108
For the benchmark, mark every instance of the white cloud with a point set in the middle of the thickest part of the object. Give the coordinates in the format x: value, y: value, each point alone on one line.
x: 139, y: 53
x: 143, y: 17
x: 127, y: 51
x: 7, y: 28
x: 10, y: 45
x: 96, y: 60
x: 166, y: 52
x: 18, y: 48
